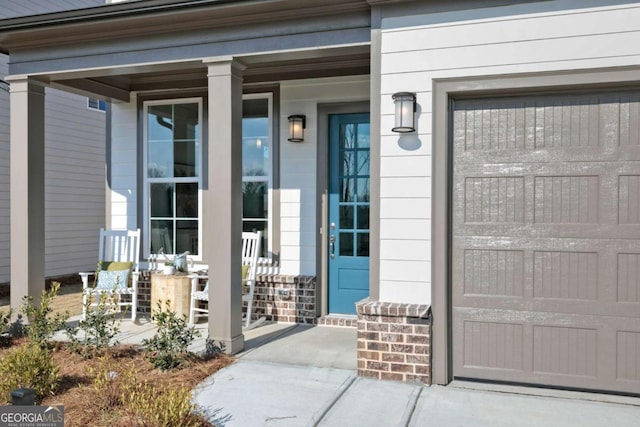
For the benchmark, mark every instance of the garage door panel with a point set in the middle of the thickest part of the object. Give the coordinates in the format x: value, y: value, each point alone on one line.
x: 565, y: 350
x: 493, y: 272
x: 550, y: 349
x: 545, y: 240
x: 494, y: 345
x: 628, y: 283
x: 548, y: 275
x: 583, y: 193
x: 547, y: 122
x: 628, y: 355
x: 567, y: 199
x: 629, y: 199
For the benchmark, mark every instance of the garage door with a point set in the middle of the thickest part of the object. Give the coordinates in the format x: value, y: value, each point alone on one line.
x: 546, y: 240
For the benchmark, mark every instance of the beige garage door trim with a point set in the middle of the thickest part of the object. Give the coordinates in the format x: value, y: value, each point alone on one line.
x: 444, y: 91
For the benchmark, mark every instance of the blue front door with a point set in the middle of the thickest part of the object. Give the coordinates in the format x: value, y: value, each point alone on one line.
x: 348, y: 211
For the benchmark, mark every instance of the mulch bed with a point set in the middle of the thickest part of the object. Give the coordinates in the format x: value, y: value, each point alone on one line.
x: 77, y: 393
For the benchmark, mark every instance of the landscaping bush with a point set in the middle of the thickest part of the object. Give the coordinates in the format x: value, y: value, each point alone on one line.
x: 212, y: 348
x: 167, y: 349
x: 41, y: 325
x: 5, y: 319
x: 98, y: 329
x: 28, y: 366
x: 5, y: 326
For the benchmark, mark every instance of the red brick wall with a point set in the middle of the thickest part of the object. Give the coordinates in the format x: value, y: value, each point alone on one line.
x: 296, y: 303
x: 394, y: 341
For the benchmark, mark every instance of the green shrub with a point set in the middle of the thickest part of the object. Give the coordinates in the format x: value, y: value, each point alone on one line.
x: 212, y: 348
x: 167, y: 349
x: 5, y: 319
x: 41, y: 326
x: 28, y: 366
x: 98, y: 329
x: 9, y: 329
x: 5, y: 326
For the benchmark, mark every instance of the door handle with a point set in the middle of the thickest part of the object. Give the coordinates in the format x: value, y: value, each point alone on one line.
x: 332, y: 246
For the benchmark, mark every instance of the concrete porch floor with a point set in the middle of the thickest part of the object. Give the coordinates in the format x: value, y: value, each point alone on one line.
x: 327, y: 347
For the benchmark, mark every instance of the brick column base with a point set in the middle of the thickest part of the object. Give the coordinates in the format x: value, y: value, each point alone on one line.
x: 285, y: 298
x: 394, y: 341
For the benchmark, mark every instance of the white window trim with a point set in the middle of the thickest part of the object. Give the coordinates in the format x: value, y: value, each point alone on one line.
x: 145, y: 191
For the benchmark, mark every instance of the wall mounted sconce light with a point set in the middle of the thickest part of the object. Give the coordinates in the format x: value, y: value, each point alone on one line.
x: 297, y: 123
x: 405, y: 112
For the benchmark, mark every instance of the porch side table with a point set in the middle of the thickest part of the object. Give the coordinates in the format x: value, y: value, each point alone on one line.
x: 176, y: 288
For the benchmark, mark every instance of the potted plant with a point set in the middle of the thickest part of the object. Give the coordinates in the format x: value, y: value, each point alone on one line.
x: 168, y: 268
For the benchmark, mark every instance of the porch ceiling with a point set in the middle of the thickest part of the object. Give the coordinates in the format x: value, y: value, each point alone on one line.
x: 116, y: 84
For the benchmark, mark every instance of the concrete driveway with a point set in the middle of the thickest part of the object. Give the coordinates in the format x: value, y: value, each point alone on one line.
x: 305, y: 376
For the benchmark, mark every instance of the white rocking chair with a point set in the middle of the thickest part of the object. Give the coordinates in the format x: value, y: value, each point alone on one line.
x: 250, y: 250
x: 116, y: 246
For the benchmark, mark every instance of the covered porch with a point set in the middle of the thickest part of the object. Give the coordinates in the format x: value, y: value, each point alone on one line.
x: 305, y: 58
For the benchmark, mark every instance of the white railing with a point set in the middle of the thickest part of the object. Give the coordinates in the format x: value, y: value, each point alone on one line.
x: 267, y: 266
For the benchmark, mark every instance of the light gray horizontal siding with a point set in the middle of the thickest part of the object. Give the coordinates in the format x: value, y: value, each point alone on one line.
x: 4, y: 175
x: 74, y: 200
x: 552, y: 36
x: 75, y: 146
x: 75, y: 182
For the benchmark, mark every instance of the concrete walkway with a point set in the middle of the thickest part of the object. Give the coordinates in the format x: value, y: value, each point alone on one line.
x: 305, y: 376
x: 297, y: 375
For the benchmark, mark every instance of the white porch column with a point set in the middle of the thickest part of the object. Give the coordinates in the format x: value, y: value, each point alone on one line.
x: 222, y: 203
x: 27, y: 188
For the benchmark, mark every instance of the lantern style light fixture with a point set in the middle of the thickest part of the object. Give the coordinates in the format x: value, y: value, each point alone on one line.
x: 405, y: 103
x: 297, y: 123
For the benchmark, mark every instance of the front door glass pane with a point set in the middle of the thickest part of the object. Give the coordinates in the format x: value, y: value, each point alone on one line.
x: 354, y: 166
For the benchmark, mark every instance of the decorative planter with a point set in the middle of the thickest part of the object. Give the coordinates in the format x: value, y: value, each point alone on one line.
x: 175, y: 288
x: 168, y: 269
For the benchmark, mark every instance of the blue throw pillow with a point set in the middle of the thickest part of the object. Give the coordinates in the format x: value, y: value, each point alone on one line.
x: 109, y: 280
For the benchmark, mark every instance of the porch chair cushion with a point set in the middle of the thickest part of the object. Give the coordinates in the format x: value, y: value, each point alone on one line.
x: 109, y: 280
x: 118, y: 266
